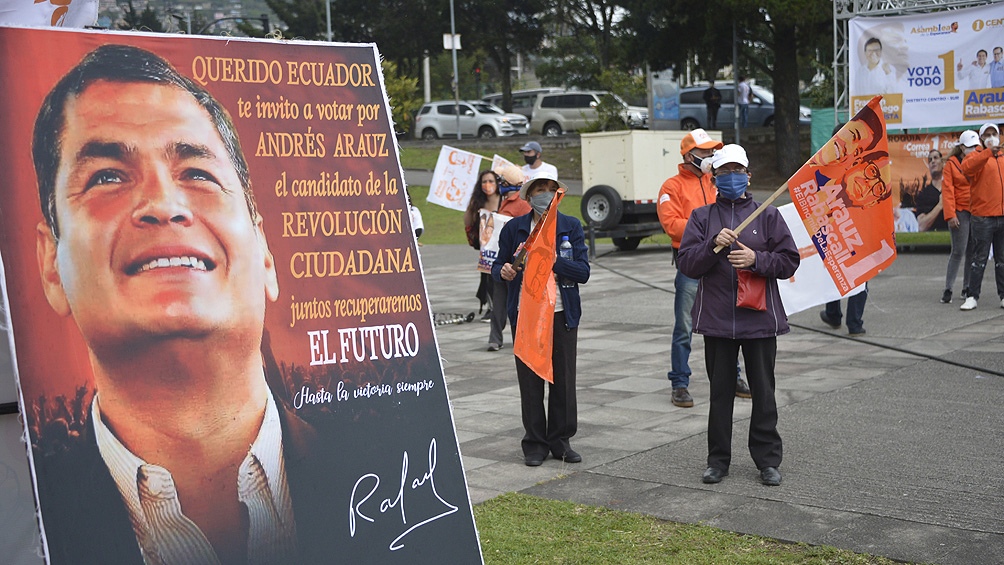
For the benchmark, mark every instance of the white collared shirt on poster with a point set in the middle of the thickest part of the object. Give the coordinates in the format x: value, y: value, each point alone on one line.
x: 978, y: 77
x: 166, y: 536
x: 875, y: 81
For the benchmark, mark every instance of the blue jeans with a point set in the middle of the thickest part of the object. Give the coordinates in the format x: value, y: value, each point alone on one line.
x: 679, y: 353
x: 986, y: 230
x: 962, y: 247
x: 855, y: 310
x: 744, y: 113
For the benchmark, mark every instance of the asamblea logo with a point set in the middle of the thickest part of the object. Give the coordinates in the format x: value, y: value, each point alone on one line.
x: 936, y: 29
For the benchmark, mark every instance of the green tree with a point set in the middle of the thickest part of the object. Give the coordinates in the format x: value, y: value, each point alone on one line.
x: 501, y: 30
x: 303, y: 19
x: 146, y: 20
x: 404, y: 97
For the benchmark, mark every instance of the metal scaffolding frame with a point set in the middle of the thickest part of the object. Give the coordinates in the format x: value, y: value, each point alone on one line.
x: 844, y: 10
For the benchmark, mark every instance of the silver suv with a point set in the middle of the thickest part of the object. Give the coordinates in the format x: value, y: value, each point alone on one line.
x: 481, y: 119
x: 555, y: 114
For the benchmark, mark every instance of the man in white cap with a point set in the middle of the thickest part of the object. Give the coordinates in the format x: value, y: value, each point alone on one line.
x: 535, y: 166
x: 753, y: 261
x: 691, y: 188
x: 985, y: 170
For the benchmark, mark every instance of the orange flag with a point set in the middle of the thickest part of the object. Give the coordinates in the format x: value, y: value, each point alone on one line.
x: 843, y: 196
x: 534, y: 339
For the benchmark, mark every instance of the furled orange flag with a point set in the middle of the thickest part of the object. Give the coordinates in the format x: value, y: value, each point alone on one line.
x: 843, y: 197
x: 534, y: 339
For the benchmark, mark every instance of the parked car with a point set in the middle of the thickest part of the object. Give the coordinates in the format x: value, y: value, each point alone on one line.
x: 557, y: 113
x: 522, y: 100
x: 694, y: 114
x: 477, y: 118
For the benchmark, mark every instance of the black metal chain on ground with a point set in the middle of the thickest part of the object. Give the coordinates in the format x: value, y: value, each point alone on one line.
x: 981, y: 370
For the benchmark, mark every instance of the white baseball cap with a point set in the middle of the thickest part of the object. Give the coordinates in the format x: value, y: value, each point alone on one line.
x: 985, y: 127
x: 969, y: 138
x: 730, y: 153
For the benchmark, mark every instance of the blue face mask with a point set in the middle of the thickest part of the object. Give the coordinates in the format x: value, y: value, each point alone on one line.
x: 732, y: 185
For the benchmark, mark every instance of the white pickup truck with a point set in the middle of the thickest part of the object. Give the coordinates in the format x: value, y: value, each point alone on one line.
x: 622, y: 172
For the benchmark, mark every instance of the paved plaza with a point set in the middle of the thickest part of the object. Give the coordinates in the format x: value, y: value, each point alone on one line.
x: 892, y: 442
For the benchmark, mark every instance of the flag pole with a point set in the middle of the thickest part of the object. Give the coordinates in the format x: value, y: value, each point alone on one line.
x: 780, y: 190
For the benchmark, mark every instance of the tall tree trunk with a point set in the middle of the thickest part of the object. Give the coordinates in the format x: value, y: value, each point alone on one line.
x: 789, y: 156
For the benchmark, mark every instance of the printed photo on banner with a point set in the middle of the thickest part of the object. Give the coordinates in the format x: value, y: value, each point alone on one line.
x: 491, y: 226
x: 224, y: 349
x: 844, y: 197
x: 935, y: 69
x: 454, y: 178
x: 919, y: 162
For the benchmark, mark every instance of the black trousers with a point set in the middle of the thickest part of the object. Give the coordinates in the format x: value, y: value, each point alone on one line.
x: 550, y: 431
x: 721, y: 355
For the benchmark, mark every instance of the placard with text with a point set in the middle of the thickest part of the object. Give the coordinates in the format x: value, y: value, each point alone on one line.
x: 347, y: 346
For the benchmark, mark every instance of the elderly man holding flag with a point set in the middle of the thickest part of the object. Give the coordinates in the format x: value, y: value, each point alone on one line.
x: 544, y: 310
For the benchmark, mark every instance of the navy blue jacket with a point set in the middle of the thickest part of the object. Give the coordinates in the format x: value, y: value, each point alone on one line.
x: 715, y: 313
x: 515, y: 232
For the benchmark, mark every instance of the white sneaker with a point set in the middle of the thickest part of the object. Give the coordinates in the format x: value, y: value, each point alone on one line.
x: 970, y: 304
x: 1002, y: 302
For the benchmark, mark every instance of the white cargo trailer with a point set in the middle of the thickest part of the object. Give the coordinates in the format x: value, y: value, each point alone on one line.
x: 622, y: 172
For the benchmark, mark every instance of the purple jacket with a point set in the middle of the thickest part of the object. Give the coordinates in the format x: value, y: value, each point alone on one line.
x: 715, y: 312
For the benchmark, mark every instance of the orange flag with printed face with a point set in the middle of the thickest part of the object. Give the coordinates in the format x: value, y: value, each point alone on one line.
x: 534, y: 339
x: 843, y: 196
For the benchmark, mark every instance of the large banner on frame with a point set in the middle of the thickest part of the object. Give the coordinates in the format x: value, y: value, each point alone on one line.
x: 934, y: 70
x: 222, y: 338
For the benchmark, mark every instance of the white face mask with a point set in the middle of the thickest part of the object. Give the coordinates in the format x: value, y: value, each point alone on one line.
x: 991, y: 141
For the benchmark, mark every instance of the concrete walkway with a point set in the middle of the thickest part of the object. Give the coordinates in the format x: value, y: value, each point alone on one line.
x: 889, y: 450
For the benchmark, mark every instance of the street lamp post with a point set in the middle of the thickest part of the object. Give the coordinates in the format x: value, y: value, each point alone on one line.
x: 456, y: 76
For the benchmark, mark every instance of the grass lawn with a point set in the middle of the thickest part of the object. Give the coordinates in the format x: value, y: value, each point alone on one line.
x: 518, y: 529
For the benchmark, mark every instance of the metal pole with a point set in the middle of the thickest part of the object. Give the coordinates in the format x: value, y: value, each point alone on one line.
x: 456, y: 76
x: 427, y: 89
x: 735, y: 80
x: 327, y: 13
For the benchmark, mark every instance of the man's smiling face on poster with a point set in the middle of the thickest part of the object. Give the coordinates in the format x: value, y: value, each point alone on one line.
x: 155, y: 237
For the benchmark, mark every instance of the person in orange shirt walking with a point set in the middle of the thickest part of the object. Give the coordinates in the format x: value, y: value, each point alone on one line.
x: 955, y: 200
x: 691, y: 188
x: 985, y: 170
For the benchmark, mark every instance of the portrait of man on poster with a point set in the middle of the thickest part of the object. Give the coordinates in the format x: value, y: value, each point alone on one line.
x: 153, y: 245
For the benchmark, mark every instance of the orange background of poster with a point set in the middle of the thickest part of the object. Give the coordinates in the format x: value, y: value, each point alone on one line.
x: 58, y: 357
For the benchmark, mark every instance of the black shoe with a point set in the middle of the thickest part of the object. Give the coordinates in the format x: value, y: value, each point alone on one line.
x: 946, y: 297
x: 570, y: 456
x: 965, y: 293
x: 713, y: 475
x: 535, y: 460
x: 487, y: 318
x: 681, y: 397
x: 856, y: 333
x: 743, y: 389
x: 770, y: 476
x: 828, y: 321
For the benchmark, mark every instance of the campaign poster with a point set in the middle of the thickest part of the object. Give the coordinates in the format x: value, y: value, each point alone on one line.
x: 222, y: 340
x: 491, y: 224
x: 844, y: 197
x: 454, y: 178
x: 936, y: 69
x: 919, y: 161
